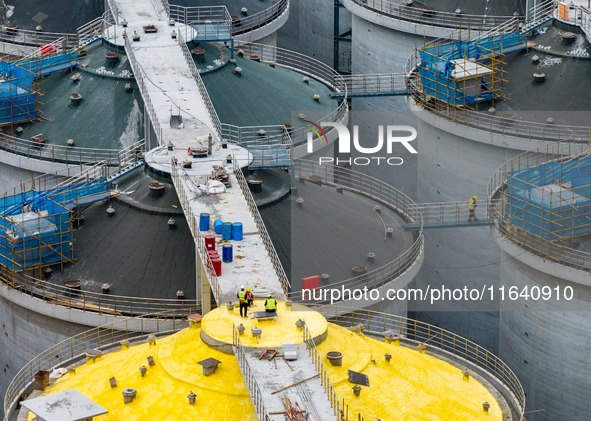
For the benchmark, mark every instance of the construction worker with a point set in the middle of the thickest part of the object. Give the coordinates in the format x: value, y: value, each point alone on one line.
x: 249, y: 297
x: 242, y: 300
x: 472, y: 208
x: 270, y: 304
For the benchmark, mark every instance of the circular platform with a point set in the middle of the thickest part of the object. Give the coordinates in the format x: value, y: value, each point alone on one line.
x: 217, y: 326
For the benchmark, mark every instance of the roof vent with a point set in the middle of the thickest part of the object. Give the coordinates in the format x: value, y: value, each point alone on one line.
x: 486, y: 406
x: 238, y: 71
x: 152, y: 339
x: 371, y: 256
x: 458, y: 12
x: 306, y: 79
x: 244, y: 11
x: 191, y: 397
x: 357, y: 390
x: 70, y: 142
x: 143, y: 370
x: 128, y: 394
x: 466, y: 374
x: 539, y: 77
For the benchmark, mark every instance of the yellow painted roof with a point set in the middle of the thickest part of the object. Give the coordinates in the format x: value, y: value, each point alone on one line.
x: 218, y: 325
x: 412, y: 386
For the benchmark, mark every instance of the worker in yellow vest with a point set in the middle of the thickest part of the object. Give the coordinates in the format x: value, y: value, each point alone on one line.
x: 270, y: 304
x: 472, y: 208
x: 243, y: 302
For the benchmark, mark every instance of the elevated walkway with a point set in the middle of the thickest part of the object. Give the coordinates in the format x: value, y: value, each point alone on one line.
x: 368, y: 85
x: 173, y: 92
x: 447, y: 215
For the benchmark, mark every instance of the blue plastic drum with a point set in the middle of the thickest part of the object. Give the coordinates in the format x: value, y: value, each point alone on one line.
x: 237, y: 234
x: 227, y: 231
x: 217, y: 226
x: 227, y: 253
x: 204, y: 222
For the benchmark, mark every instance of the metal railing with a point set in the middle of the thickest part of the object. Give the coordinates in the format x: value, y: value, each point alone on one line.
x: 250, y: 380
x: 262, y: 229
x: 73, y: 350
x: 90, y: 30
x: 201, y: 86
x: 300, y: 63
x: 244, y: 24
x: 377, y: 323
x: 71, y: 154
x: 445, y: 213
x: 322, y: 373
x: 194, y: 227
x: 505, y: 124
x: 557, y: 250
x: 429, y: 16
x: 37, y: 38
x: 140, y: 78
x: 92, y: 302
x: 379, y: 83
x: 382, y: 193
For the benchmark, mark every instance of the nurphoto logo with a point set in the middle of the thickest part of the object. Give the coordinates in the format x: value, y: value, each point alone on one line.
x: 387, y: 135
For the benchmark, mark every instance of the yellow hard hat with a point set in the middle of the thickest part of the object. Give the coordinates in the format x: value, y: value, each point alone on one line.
x: 475, y: 197
x: 248, y: 289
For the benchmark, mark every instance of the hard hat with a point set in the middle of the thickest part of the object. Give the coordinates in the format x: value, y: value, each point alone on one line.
x: 475, y: 197
x: 242, y: 287
x: 270, y: 295
x: 248, y: 289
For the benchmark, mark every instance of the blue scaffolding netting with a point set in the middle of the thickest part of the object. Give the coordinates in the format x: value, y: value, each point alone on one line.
x: 35, y: 225
x: 17, y: 93
x: 552, y: 200
x: 438, y: 63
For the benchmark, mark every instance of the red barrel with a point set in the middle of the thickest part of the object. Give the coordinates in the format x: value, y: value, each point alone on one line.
x: 217, y: 266
x: 210, y: 242
x: 213, y: 254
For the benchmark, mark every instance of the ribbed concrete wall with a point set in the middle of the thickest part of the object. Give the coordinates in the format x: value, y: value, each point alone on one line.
x: 451, y: 168
x: 376, y: 49
x: 24, y: 335
x: 548, y: 350
x: 310, y: 28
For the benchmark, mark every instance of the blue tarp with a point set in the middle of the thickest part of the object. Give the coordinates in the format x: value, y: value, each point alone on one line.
x: 437, y: 65
x: 34, y: 225
x: 538, y: 203
x: 17, y: 97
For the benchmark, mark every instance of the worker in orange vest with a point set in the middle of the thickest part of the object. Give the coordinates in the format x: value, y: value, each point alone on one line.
x: 249, y: 297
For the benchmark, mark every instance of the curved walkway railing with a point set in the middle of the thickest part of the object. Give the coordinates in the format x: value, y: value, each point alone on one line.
x: 71, y: 154
x: 300, y: 63
x: 93, y: 302
x: 431, y: 17
x: 379, y: 192
x: 72, y: 350
x: 240, y: 24
x: 553, y: 250
x: 378, y: 324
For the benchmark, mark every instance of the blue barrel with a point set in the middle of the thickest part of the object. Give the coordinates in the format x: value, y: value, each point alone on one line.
x: 227, y: 231
x: 204, y: 222
x: 237, y: 231
x: 227, y: 253
x: 217, y: 226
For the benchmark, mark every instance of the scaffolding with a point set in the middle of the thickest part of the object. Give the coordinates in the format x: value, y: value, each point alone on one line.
x: 35, y: 225
x: 462, y: 74
x: 551, y: 201
x: 18, y: 85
